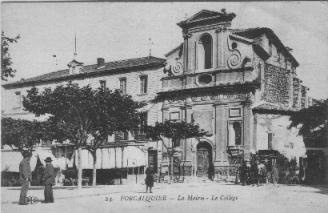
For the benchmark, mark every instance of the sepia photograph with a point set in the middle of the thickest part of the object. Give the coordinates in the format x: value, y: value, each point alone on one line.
x: 164, y: 106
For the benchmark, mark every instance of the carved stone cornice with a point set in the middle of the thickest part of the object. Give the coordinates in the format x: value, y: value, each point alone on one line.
x: 187, y: 35
x: 221, y: 29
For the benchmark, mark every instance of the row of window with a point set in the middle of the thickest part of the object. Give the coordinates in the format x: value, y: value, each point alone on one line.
x: 123, y: 84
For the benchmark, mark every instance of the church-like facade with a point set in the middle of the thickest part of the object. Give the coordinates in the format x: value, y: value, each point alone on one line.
x: 240, y: 85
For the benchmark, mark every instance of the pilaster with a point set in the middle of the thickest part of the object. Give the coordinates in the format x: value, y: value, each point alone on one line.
x: 221, y: 134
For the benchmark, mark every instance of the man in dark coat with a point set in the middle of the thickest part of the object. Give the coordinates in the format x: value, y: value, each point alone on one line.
x: 49, y: 181
x: 243, y: 173
x: 211, y: 172
x: 25, y: 176
x: 149, y: 179
x: 254, y: 172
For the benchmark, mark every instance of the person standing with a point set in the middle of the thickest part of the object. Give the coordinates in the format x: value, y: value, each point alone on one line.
x: 268, y: 172
x: 261, y: 172
x: 254, y: 172
x: 49, y: 181
x: 301, y: 175
x: 243, y: 173
x: 275, y: 173
x: 25, y: 176
x: 211, y: 171
x: 149, y: 179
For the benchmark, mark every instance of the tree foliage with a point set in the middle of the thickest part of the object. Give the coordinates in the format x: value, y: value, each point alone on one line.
x: 313, y: 121
x: 77, y: 112
x: 82, y: 115
x: 175, y: 131
x: 6, y: 60
x: 22, y: 134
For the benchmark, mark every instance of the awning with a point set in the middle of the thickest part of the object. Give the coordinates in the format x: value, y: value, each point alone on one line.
x: 42, y: 154
x: 10, y: 159
x: 109, y: 158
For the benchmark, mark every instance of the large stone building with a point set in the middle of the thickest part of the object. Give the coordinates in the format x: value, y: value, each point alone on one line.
x: 240, y: 85
x: 137, y: 77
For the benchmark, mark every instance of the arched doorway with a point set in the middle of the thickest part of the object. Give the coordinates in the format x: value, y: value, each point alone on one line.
x: 204, y: 158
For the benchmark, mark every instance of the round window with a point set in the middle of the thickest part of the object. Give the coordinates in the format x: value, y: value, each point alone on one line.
x: 204, y: 79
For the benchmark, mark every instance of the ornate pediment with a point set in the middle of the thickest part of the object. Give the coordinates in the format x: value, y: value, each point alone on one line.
x: 204, y: 15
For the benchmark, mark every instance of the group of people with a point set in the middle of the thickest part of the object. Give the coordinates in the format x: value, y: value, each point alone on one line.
x: 258, y: 173
x: 25, y: 178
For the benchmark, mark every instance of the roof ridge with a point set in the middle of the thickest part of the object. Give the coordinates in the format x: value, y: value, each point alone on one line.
x: 62, y: 72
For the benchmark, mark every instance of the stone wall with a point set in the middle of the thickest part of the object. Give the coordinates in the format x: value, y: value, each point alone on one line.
x: 277, y: 85
x: 296, y: 92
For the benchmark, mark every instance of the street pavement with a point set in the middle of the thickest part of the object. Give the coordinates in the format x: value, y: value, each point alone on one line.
x: 205, y: 197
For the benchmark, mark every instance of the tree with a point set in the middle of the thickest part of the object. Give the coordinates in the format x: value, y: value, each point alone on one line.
x: 313, y: 121
x: 84, y: 116
x: 6, y: 60
x: 21, y: 134
x: 175, y: 131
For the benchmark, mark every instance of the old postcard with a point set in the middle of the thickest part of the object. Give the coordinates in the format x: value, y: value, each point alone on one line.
x: 164, y: 106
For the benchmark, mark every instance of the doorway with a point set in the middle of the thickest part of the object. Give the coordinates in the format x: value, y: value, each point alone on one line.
x: 204, y: 157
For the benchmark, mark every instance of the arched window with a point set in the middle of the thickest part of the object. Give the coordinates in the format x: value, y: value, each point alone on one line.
x: 206, y: 51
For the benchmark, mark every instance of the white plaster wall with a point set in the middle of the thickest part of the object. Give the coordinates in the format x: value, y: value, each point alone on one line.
x: 9, y: 106
x: 286, y: 141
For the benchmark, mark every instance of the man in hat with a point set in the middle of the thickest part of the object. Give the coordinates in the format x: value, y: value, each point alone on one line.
x: 49, y: 181
x: 25, y: 176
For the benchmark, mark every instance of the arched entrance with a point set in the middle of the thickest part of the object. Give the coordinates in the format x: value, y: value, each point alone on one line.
x: 204, y: 157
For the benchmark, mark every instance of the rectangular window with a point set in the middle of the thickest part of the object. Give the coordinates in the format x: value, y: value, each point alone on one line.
x: 103, y: 84
x: 143, y: 84
x: 234, y: 112
x: 140, y: 133
x: 123, y: 85
x: 270, y: 141
x: 121, y: 136
x: 174, y: 116
x: 143, y: 120
x: 18, y: 99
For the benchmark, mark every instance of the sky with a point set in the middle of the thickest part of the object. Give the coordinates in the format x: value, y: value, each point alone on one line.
x: 117, y: 31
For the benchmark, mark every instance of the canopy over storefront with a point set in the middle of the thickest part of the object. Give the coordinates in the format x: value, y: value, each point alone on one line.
x: 114, y: 157
x: 10, y: 159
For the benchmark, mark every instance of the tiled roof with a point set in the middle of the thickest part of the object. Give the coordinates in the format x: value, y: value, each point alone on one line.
x: 257, y: 31
x: 114, y: 66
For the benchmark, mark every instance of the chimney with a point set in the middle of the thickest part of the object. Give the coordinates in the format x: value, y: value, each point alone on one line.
x: 100, y: 62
